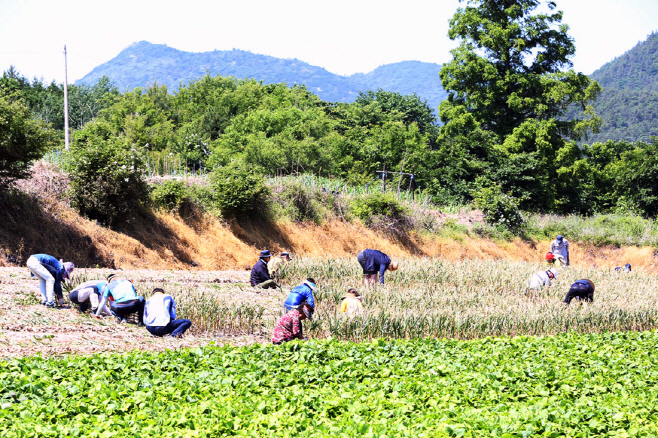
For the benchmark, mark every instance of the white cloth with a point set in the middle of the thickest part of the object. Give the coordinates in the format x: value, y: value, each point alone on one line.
x: 540, y: 279
x: 560, y: 249
x: 159, y: 310
x: 46, y: 279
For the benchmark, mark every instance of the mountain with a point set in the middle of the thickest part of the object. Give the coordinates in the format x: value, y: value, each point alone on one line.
x: 144, y: 63
x: 629, y: 101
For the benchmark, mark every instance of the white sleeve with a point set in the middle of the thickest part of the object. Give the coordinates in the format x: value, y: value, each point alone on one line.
x: 101, y: 306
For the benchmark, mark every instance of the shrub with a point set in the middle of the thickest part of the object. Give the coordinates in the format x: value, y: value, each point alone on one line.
x: 107, y: 179
x: 238, y: 190
x: 370, y: 206
x: 169, y: 195
x: 22, y: 140
x: 295, y: 201
x: 499, y: 209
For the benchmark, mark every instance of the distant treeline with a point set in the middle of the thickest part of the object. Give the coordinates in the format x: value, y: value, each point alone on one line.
x: 282, y: 130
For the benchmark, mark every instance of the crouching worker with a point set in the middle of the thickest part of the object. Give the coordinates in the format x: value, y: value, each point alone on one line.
x: 123, y: 299
x: 301, y: 294
x: 290, y: 326
x: 88, y: 296
x: 260, y: 275
x: 160, y: 316
x: 351, y: 302
x: 581, y: 290
x: 50, y: 272
x: 372, y: 262
x: 542, y: 279
x: 626, y: 268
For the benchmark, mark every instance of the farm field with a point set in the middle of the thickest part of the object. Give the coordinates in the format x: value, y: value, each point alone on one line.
x: 426, y: 298
x: 445, y: 348
x: 567, y: 385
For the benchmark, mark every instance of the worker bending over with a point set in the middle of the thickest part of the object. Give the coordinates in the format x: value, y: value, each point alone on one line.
x: 290, y: 325
x: 301, y: 294
x: 542, y: 279
x: 351, y: 302
x: 88, y: 296
x: 373, y: 262
x: 50, y: 272
x: 581, y: 290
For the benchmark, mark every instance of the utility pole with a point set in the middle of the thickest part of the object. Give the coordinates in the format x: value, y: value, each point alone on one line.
x: 66, y: 105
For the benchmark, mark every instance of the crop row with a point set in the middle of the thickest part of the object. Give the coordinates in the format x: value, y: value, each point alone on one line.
x: 567, y: 385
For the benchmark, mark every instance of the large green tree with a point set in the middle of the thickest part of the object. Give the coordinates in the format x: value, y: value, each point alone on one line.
x: 511, y: 72
x: 22, y: 139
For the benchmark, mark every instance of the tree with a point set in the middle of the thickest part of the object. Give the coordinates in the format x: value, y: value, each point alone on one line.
x: 22, y: 140
x: 508, y: 72
x: 107, y: 178
x: 508, y: 67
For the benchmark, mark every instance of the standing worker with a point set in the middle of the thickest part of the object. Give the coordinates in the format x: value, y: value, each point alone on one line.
x: 160, y: 316
x: 290, y: 325
x: 50, y: 272
x: 543, y: 279
x: 372, y: 262
x: 581, y: 290
x: 560, y: 249
x: 301, y: 294
x: 260, y: 276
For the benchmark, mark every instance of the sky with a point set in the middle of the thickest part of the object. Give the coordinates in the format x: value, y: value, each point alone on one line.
x: 343, y: 36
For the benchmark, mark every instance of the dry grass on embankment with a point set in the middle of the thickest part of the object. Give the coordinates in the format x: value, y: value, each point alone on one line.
x: 36, y: 222
x: 168, y: 241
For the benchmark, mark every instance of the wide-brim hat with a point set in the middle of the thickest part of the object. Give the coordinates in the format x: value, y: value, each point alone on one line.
x: 265, y: 253
x: 394, y: 266
x: 559, y: 238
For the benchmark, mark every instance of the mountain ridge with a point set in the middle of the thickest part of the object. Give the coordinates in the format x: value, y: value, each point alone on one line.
x: 144, y: 63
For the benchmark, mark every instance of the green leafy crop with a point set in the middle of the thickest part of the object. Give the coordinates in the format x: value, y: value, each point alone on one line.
x: 568, y: 385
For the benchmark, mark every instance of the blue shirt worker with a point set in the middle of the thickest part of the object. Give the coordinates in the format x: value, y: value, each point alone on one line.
x: 581, y: 290
x: 560, y: 249
x: 260, y: 275
x: 88, y: 296
x: 301, y: 294
x: 124, y: 299
x: 160, y: 316
x: 372, y: 262
x: 50, y: 272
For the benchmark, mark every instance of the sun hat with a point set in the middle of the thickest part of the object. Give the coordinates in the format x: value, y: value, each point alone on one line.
x: 554, y: 272
x: 550, y: 256
x: 559, y: 238
x: 68, y: 268
x: 310, y: 283
x: 285, y: 253
x: 265, y: 253
x: 394, y: 266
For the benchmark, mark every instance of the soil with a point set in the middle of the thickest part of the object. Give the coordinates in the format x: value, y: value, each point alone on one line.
x: 28, y: 328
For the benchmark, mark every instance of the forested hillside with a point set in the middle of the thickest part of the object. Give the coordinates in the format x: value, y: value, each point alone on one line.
x: 629, y: 101
x: 144, y: 64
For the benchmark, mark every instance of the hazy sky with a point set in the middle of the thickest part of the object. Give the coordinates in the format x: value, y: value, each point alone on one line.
x: 343, y: 36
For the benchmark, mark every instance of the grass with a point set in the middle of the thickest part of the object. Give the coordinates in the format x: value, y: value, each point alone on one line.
x: 426, y: 298
x: 601, y: 229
